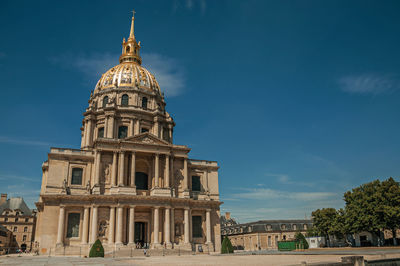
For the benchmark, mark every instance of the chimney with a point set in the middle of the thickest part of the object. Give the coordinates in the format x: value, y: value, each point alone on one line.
x: 3, y: 198
x: 228, y: 215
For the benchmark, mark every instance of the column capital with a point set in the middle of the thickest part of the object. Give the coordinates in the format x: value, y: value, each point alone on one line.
x: 62, y: 206
x: 86, y: 207
x: 157, y: 207
x: 132, y: 206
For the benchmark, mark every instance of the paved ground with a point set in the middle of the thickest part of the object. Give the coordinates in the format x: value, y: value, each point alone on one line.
x: 288, y: 258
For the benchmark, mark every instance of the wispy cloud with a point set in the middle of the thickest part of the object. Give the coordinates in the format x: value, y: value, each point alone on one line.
x: 189, y: 5
x: 270, y: 194
x: 8, y: 140
x: 286, y: 180
x: 167, y: 70
x: 2, y: 55
x: 369, y: 84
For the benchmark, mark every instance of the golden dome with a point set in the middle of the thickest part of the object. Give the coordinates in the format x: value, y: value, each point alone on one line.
x: 129, y: 73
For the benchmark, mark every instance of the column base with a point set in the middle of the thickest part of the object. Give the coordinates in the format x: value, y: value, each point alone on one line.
x: 156, y: 245
x: 186, y: 194
x: 59, y: 245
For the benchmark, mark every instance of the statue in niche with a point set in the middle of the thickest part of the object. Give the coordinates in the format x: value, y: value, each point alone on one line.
x: 103, y: 228
x: 88, y: 189
x: 107, y: 174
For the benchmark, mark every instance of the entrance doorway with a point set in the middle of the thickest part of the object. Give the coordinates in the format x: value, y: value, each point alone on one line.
x: 140, y: 233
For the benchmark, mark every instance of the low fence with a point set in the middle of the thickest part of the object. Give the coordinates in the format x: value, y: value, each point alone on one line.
x: 359, y: 261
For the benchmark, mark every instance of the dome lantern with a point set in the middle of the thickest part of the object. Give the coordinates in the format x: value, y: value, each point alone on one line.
x: 130, y: 48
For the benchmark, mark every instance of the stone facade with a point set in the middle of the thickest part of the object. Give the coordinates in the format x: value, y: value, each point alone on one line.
x: 129, y: 184
x: 263, y: 234
x: 19, y: 220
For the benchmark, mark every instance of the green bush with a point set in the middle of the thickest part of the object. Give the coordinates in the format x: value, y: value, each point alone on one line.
x: 302, y: 240
x: 97, y: 250
x: 226, y: 246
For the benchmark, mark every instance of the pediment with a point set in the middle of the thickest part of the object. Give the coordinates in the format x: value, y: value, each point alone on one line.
x: 147, y: 138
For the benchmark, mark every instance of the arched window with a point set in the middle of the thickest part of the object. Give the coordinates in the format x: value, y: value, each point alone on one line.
x: 128, y: 49
x: 141, y: 180
x: 144, y: 103
x: 76, y: 178
x: 122, y: 132
x: 105, y: 101
x: 125, y: 100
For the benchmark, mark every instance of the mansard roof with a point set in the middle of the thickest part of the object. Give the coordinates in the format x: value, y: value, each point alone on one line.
x: 16, y: 203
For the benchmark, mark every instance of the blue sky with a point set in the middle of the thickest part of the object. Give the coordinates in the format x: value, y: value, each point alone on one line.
x: 298, y: 101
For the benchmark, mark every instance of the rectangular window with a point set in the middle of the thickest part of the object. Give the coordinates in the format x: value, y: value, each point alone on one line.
x: 26, y: 220
x: 269, y: 241
x: 197, y: 230
x: 76, y: 176
x: 25, y: 229
x: 144, y: 130
x: 196, y: 183
x: 73, y: 225
x: 15, y: 229
x: 100, y: 133
x: 122, y: 132
x: 6, y: 219
x: 24, y: 238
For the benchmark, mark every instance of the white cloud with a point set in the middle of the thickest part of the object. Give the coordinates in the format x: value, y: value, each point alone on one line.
x: 369, y: 84
x: 167, y: 70
x: 190, y: 5
x: 270, y: 194
x: 4, y: 139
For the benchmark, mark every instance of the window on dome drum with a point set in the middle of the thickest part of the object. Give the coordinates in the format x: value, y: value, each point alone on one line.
x: 144, y: 103
x: 26, y: 220
x: 196, y: 183
x: 128, y: 49
x: 100, y: 132
x: 141, y: 180
x: 105, y: 101
x: 125, y: 100
x: 73, y: 225
x: 16, y: 219
x: 144, y: 130
x: 197, y: 230
x: 76, y: 178
x: 122, y: 132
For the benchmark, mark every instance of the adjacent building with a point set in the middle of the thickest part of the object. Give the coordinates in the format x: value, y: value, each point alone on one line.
x: 128, y: 185
x: 263, y: 234
x: 16, y: 216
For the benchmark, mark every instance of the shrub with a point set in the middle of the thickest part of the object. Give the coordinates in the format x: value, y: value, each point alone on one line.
x: 226, y: 246
x: 302, y: 240
x: 97, y: 250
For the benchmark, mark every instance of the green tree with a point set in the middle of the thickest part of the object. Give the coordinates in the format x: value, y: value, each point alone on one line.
x: 301, y: 239
x: 97, y: 250
x: 226, y: 246
x: 323, y: 220
x: 389, y: 208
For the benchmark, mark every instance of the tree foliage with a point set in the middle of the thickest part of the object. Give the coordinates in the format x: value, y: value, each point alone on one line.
x: 226, y: 246
x: 97, y: 250
x: 302, y: 240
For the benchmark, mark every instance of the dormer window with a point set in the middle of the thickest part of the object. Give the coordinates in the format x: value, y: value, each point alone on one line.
x: 269, y: 227
x: 122, y: 132
x: 144, y: 102
x: 294, y: 227
x: 283, y: 226
x: 105, y: 101
x: 125, y: 100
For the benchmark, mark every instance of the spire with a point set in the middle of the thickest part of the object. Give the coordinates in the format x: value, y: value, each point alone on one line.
x: 132, y: 33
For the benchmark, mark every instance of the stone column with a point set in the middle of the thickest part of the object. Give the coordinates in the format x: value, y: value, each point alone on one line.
x: 167, y: 171
x: 60, y: 232
x: 172, y: 225
x: 167, y: 226
x: 98, y: 168
x: 132, y: 225
x: 89, y: 133
x: 157, y: 170
x: 85, y: 229
x: 186, y: 222
x: 156, y: 129
x: 185, y: 174
x: 206, y: 176
x: 131, y: 127
x: 114, y: 170
x: 121, y: 169
x: 83, y: 136
x: 170, y: 134
x: 111, y: 127
x: 137, y: 127
x: 133, y: 169
x: 111, y: 230
x: 120, y: 224
x: 106, y: 126
x: 208, y: 225
x: 156, y: 224
x: 93, y: 236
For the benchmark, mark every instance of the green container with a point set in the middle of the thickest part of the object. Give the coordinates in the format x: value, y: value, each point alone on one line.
x: 287, y: 245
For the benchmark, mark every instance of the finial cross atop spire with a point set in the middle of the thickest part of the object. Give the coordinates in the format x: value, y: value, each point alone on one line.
x: 132, y: 33
x: 133, y: 13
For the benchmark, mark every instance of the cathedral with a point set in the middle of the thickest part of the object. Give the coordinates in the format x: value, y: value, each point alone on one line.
x: 128, y: 185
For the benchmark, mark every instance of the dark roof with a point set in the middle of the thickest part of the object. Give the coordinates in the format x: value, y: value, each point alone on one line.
x: 16, y: 203
x: 262, y: 226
